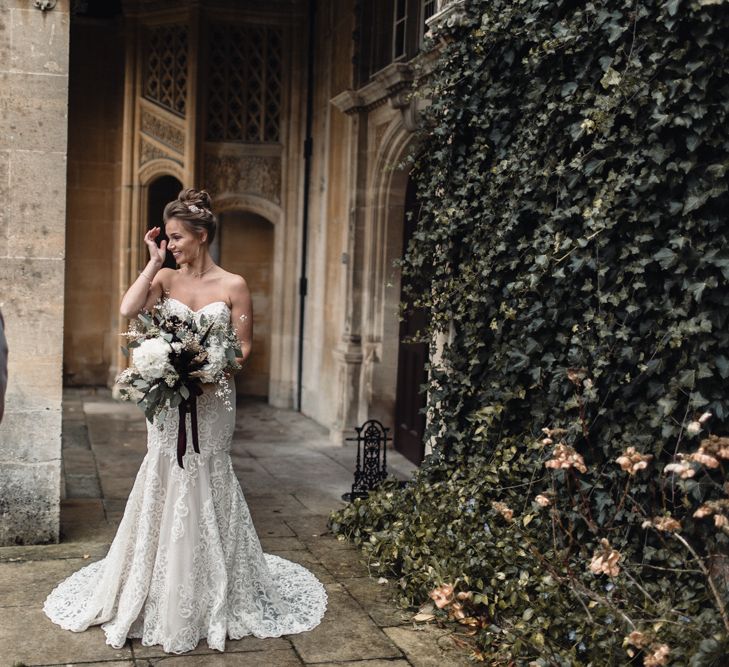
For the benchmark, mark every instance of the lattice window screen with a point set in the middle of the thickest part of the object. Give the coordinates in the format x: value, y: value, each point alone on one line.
x: 244, y: 83
x: 165, y: 66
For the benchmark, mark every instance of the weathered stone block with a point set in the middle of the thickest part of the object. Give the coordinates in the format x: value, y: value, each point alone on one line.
x: 4, y: 173
x: 33, y: 111
x: 29, y: 502
x: 33, y: 386
x: 30, y: 437
x: 4, y: 39
x: 36, y: 212
x: 33, y: 311
x: 36, y: 37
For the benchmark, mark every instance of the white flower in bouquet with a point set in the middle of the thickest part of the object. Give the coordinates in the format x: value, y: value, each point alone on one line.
x: 152, y: 358
x: 215, y: 364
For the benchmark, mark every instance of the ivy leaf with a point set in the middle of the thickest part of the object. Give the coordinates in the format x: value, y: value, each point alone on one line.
x: 665, y: 257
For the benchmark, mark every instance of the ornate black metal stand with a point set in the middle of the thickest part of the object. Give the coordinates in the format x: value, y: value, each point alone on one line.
x: 371, y: 441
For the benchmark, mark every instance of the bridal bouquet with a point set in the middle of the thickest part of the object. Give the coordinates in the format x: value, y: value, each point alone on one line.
x: 172, y: 357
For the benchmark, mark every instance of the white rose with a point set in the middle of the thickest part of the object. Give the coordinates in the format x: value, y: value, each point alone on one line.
x: 151, y: 358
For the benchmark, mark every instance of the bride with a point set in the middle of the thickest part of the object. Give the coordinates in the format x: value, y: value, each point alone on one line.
x: 186, y: 562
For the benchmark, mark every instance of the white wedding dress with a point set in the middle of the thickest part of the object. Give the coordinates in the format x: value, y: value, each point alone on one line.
x: 186, y: 562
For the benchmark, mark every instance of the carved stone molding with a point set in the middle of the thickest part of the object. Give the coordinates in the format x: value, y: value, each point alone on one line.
x: 251, y: 173
x: 450, y: 13
x: 162, y: 131
x: 389, y: 81
x: 149, y: 151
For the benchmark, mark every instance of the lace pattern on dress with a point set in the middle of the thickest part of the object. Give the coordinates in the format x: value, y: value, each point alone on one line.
x: 186, y: 562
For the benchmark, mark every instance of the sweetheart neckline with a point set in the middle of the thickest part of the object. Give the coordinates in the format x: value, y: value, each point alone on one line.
x: 212, y: 303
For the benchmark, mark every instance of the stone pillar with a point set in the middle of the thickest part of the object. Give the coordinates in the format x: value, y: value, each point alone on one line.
x: 33, y: 137
x: 348, y: 354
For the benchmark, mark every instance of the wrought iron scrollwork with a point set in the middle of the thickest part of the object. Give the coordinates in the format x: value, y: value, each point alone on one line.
x: 371, y: 464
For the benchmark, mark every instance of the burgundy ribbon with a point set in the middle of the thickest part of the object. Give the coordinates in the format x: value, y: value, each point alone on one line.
x: 189, y: 405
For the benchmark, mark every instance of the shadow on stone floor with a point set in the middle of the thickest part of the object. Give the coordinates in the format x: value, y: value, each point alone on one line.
x: 292, y: 476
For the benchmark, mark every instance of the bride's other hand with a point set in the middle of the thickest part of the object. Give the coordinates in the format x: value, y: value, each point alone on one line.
x: 156, y: 253
x: 145, y: 291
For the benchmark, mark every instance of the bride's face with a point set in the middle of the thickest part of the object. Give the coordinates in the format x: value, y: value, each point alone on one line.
x: 183, y: 243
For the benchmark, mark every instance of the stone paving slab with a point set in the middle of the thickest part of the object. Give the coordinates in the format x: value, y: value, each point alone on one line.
x: 346, y: 633
x: 245, y: 644
x: 45, y: 552
x: 284, y: 658
x: 27, y: 636
x: 377, y: 601
x: 428, y: 646
x: 292, y: 476
x: 366, y: 663
x: 105, y: 663
x: 27, y: 583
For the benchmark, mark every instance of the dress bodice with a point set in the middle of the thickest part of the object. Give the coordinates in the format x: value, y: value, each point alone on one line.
x: 217, y: 309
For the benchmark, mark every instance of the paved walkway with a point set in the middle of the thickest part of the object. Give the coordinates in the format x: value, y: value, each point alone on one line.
x: 292, y: 477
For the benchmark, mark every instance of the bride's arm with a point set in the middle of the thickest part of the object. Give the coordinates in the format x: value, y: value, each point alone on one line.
x: 242, y: 315
x: 147, y: 288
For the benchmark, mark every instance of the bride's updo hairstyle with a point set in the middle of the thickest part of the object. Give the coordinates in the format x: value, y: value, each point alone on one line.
x: 195, y: 209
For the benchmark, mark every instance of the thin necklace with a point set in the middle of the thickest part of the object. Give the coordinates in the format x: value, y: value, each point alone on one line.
x: 201, y: 272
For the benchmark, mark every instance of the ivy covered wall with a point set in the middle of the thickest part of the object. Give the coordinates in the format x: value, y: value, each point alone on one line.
x: 572, y: 170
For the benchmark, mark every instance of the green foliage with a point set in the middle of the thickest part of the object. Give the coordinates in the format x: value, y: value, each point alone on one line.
x: 573, y: 240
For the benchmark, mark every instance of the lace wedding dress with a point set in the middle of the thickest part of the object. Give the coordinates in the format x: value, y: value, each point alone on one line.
x: 186, y: 562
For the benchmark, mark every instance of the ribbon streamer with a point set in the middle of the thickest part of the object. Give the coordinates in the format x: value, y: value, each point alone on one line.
x: 188, y: 405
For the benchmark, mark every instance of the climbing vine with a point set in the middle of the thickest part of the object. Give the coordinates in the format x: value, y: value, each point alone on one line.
x: 573, y: 244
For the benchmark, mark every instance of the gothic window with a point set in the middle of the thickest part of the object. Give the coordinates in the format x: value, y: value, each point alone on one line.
x: 244, y: 83
x: 399, y: 26
x: 165, y: 66
x: 389, y: 31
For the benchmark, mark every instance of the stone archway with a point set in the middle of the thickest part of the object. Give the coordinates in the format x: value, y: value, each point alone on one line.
x: 389, y: 367
x: 162, y: 190
x: 382, y: 279
x: 247, y: 248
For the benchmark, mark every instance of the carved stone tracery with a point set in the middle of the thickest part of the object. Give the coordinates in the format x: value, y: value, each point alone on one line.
x: 168, y: 134
x: 238, y: 174
x: 149, y: 151
x: 165, y: 66
x: 244, y: 83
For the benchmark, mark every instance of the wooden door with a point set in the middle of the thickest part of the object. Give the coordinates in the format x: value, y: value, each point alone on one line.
x: 411, y: 358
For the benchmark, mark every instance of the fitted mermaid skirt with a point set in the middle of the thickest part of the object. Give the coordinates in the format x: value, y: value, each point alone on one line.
x: 186, y: 562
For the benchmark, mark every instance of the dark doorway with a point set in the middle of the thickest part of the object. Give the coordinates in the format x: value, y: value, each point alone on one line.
x: 161, y: 191
x: 411, y: 358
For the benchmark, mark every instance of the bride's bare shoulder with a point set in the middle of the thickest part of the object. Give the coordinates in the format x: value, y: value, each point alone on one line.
x: 234, y: 281
x: 165, y: 275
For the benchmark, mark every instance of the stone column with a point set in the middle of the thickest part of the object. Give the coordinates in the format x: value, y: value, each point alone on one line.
x: 33, y: 136
x: 348, y: 353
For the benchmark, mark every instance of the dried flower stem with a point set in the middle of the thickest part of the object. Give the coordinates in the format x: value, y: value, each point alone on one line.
x: 707, y: 574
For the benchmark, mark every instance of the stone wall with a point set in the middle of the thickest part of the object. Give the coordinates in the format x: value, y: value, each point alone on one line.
x: 33, y: 133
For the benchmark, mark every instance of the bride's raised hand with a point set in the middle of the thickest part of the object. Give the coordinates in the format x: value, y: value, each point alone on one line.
x: 156, y: 253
